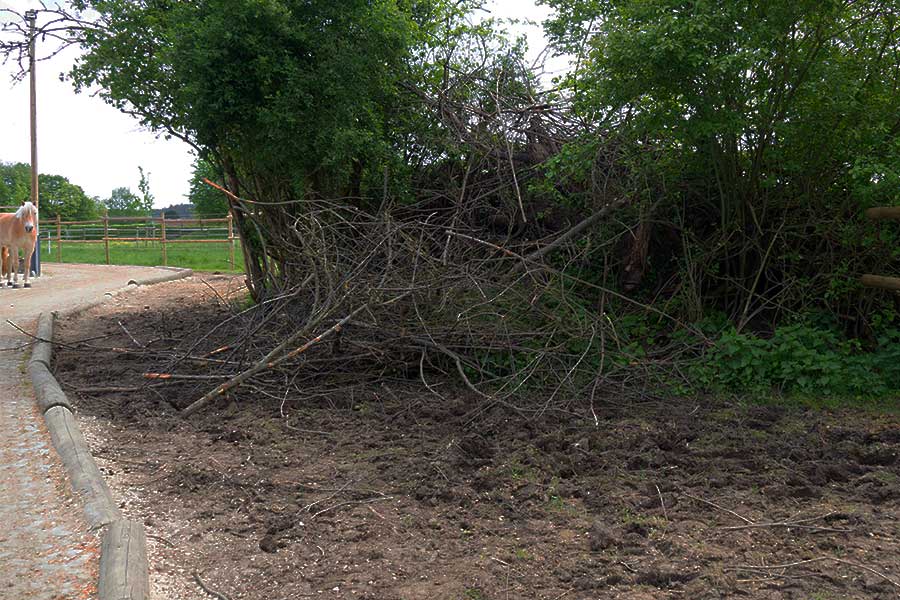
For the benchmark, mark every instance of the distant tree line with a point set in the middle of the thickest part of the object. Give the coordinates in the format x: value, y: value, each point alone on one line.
x: 57, y: 196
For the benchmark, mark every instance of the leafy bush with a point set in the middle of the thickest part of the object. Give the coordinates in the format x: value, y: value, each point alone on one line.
x: 803, y: 358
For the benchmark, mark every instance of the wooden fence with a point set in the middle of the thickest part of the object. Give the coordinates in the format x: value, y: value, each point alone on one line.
x: 149, y: 230
x: 882, y: 213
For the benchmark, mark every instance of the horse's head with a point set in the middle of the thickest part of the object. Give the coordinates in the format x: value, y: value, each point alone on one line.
x: 28, y: 214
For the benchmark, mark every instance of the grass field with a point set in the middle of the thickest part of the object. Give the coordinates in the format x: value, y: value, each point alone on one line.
x: 201, y: 257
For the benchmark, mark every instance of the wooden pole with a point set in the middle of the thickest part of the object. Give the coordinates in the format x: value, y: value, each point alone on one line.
x: 106, y: 233
x: 883, y: 213
x: 31, y: 15
x: 163, y: 239
x: 231, y: 239
x: 58, y: 239
x: 883, y: 283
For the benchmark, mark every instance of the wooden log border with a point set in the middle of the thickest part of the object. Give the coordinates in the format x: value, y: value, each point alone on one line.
x: 124, y: 568
x: 880, y: 282
x: 172, y: 275
x: 123, y: 562
x: 882, y: 213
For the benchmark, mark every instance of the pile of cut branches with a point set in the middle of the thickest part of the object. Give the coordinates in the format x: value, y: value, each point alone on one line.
x: 421, y: 293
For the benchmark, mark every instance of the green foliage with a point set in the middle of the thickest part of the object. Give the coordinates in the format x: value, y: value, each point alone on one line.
x: 56, y: 194
x: 805, y: 359
x: 291, y: 99
x: 122, y: 202
x: 60, y: 197
x: 144, y: 187
x: 208, y: 202
x: 296, y: 91
x: 763, y: 130
x: 15, y: 183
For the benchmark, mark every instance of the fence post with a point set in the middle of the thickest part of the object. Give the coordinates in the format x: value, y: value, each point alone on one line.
x: 162, y: 228
x: 58, y: 239
x: 106, y: 233
x: 231, y: 239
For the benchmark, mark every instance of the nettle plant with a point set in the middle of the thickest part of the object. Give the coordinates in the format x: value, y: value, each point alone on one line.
x: 805, y: 359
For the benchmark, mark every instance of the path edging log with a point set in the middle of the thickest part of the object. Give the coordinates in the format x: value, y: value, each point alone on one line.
x: 175, y: 273
x: 124, y: 568
x: 46, y: 389
x: 123, y: 562
x: 99, y: 506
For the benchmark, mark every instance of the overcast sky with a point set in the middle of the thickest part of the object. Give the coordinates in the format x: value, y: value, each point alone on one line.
x: 99, y: 148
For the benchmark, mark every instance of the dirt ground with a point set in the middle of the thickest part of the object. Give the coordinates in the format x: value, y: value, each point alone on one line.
x: 390, y: 492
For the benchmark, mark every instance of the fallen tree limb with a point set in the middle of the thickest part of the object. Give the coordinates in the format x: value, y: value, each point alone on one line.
x: 180, y: 376
x: 271, y: 360
x: 574, y: 231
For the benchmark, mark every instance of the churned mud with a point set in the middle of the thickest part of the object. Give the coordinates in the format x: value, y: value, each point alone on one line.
x: 390, y: 492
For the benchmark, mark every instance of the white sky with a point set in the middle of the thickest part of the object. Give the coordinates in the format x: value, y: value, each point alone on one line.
x: 99, y: 148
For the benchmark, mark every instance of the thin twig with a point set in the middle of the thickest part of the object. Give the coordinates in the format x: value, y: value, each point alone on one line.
x: 209, y: 590
x: 814, y: 560
x: 714, y: 505
x: 128, y: 333
x: 348, y: 502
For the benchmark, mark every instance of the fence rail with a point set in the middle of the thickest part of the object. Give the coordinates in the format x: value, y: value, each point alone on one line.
x: 147, y: 230
x: 882, y: 213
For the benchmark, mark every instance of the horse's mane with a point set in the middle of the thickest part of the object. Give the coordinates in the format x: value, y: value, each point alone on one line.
x: 27, y: 207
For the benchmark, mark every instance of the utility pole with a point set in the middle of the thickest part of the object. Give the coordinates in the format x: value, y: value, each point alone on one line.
x: 31, y: 16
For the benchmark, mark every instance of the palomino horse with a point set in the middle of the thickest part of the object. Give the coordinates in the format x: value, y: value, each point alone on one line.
x: 18, y: 230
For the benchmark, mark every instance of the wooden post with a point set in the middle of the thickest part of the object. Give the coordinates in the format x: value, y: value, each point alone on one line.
x: 106, y: 233
x: 880, y: 282
x: 58, y: 239
x: 162, y: 228
x: 31, y: 16
x: 879, y: 213
x: 231, y: 240
x: 124, y: 571
x: 882, y: 213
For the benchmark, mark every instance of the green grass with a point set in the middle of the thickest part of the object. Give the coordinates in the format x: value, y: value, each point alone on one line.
x: 202, y: 257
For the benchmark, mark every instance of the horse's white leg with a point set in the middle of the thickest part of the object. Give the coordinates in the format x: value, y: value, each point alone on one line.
x: 9, y: 258
x: 14, y: 264
x: 29, y: 250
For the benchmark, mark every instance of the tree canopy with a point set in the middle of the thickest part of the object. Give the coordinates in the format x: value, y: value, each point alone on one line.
x: 122, y: 202
x: 208, y: 201
x: 56, y: 194
x: 295, y: 90
x: 760, y: 123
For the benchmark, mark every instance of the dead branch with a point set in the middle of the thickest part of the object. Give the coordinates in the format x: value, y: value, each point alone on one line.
x: 768, y: 568
x: 271, y: 360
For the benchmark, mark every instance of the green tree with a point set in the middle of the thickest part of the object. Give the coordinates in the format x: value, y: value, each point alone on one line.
x: 60, y: 197
x: 122, y: 202
x: 56, y: 194
x: 15, y: 183
x: 144, y: 187
x: 291, y: 98
x: 767, y: 127
x: 208, y: 202
x: 295, y: 90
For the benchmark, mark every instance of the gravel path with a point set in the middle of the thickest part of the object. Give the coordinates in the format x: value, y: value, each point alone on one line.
x: 46, y: 551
